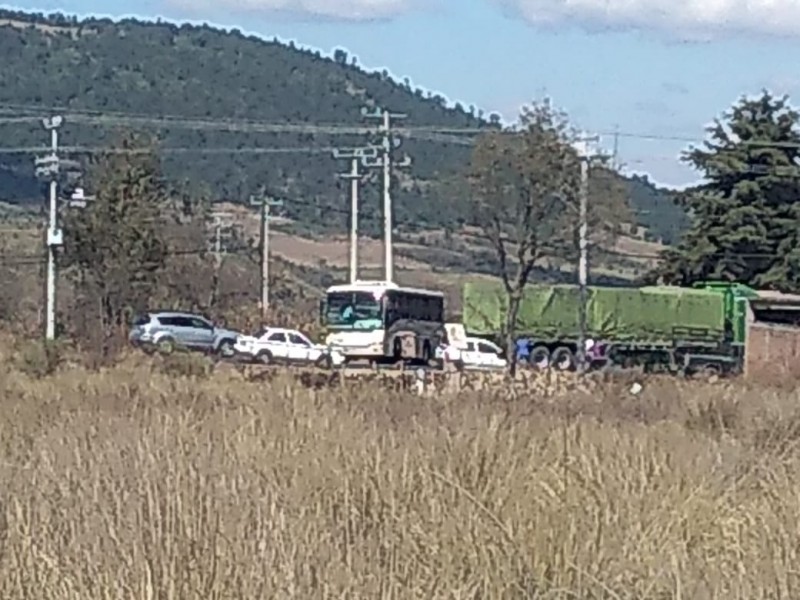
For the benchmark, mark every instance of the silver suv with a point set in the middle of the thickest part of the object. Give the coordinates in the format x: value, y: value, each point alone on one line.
x: 164, y: 331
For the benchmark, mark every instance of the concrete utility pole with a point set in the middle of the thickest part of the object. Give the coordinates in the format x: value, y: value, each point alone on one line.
x: 582, y: 146
x: 219, y: 249
x: 386, y: 162
x: 265, y: 203
x: 48, y: 167
x: 356, y: 156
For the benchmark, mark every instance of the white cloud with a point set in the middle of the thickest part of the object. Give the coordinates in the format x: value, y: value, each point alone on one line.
x: 351, y: 10
x: 691, y: 19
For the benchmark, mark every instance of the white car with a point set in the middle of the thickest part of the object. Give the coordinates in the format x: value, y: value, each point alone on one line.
x: 276, y: 344
x: 474, y: 353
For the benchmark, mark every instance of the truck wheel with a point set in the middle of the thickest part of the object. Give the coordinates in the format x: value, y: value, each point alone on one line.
x: 563, y: 359
x: 539, y: 358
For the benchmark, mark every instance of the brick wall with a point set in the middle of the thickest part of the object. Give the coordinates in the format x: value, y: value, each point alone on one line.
x: 772, y: 352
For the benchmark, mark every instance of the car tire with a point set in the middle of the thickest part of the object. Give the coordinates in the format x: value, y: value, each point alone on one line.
x: 264, y: 357
x: 225, y: 349
x: 324, y: 362
x: 166, y: 346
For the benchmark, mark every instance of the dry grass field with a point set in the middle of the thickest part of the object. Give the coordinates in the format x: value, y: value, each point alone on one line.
x: 154, y: 480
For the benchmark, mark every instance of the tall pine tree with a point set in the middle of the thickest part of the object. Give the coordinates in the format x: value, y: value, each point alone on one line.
x: 746, y: 218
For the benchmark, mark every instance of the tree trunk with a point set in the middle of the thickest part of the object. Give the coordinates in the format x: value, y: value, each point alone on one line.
x: 514, y: 301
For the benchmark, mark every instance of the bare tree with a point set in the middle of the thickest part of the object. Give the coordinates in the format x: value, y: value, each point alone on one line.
x: 525, y: 185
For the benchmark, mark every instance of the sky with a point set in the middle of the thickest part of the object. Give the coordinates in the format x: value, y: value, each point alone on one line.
x: 655, y: 71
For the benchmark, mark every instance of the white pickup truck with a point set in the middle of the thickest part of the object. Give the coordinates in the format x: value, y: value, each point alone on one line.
x: 279, y: 345
x: 472, y: 353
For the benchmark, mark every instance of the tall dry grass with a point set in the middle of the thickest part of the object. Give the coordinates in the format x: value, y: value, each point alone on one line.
x: 129, y: 483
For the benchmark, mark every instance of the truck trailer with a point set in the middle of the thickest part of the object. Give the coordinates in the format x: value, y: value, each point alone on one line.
x: 658, y: 328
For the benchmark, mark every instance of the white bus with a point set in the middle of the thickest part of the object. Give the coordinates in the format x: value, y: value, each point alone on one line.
x: 382, y: 322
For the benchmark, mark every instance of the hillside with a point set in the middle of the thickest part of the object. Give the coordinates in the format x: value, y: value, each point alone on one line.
x: 224, y: 84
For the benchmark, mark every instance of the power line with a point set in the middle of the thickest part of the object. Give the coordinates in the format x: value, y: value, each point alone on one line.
x: 105, y: 117
x: 169, y: 150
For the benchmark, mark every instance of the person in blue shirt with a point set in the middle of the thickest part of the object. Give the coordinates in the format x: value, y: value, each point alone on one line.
x: 523, y: 351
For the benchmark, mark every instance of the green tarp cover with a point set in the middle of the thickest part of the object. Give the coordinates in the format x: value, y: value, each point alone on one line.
x: 648, y: 314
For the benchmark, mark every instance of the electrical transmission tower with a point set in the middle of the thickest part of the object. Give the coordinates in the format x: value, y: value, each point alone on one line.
x: 358, y: 157
x: 389, y: 143
x: 48, y: 167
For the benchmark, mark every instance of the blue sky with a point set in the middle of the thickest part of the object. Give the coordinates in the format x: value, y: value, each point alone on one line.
x: 649, y: 67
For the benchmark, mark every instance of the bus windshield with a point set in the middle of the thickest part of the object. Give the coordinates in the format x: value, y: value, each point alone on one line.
x: 353, y: 310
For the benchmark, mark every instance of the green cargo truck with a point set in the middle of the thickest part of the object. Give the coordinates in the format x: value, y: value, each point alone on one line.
x: 660, y: 328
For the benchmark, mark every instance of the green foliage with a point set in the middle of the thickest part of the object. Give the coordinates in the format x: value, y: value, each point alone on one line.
x: 117, y: 244
x: 202, y: 73
x: 745, y: 220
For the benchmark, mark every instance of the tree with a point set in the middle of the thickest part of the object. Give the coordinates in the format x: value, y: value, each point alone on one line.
x: 525, y: 186
x: 745, y: 219
x: 116, y: 246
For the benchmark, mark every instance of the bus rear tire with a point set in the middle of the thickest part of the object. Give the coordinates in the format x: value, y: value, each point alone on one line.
x: 427, y: 355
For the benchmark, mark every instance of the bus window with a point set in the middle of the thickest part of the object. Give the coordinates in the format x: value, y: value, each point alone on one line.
x: 356, y: 310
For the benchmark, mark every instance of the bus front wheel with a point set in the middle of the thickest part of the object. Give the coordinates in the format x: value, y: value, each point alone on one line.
x: 397, y: 350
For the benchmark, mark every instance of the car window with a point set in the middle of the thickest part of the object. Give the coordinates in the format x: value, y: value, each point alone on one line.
x: 171, y: 321
x: 296, y: 339
x: 470, y: 347
x: 200, y: 323
x: 277, y: 337
x: 486, y: 348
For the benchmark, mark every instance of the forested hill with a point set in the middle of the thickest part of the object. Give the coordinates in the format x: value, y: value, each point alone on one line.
x: 218, y: 81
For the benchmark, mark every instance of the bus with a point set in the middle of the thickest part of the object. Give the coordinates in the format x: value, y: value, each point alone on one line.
x: 383, y: 322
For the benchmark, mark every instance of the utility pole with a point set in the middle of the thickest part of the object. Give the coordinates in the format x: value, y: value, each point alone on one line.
x: 48, y: 166
x: 219, y: 250
x: 265, y: 203
x: 356, y: 156
x: 388, y: 144
x: 583, y: 246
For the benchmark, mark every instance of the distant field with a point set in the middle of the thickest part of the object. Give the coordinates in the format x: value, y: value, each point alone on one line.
x: 424, y: 259
x: 334, y: 251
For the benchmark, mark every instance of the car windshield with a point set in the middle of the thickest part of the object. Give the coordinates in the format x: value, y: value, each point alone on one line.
x: 353, y: 310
